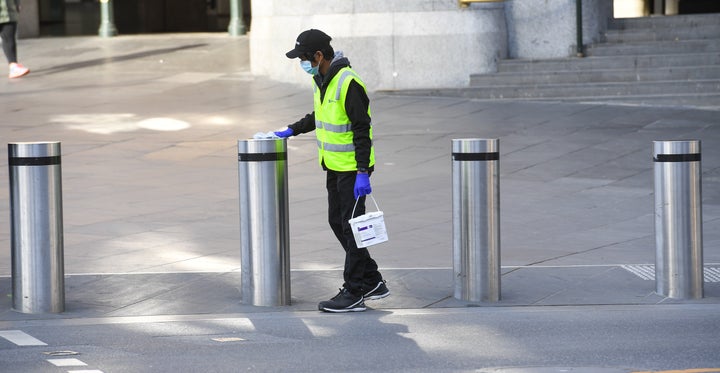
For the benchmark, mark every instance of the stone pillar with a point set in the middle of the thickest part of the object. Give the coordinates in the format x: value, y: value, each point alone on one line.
x: 672, y: 7
x: 392, y: 44
x: 631, y: 8
x: 29, y: 23
x: 237, y: 25
x: 541, y: 29
x: 107, y: 19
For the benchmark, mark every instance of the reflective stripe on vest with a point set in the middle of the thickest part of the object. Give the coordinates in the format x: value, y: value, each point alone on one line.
x: 346, y: 74
x: 338, y: 148
x: 332, y: 125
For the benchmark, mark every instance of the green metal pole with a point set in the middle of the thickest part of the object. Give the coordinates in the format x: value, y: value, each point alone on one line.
x: 578, y: 9
x: 107, y: 21
x: 237, y: 26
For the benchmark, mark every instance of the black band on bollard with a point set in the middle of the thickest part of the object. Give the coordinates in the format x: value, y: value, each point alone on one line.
x: 695, y: 157
x: 34, y: 161
x: 476, y: 156
x: 261, y: 157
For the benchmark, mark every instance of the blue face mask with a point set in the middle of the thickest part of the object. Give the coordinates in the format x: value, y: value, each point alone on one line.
x: 307, y: 66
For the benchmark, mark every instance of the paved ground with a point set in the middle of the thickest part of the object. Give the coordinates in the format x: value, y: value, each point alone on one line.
x: 577, y: 339
x: 149, y: 126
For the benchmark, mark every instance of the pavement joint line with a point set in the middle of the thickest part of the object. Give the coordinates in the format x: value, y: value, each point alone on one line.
x: 312, y: 314
x: 695, y: 370
x: 381, y: 269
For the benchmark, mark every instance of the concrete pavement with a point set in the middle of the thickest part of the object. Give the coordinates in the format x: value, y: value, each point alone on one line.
x: 149, y: 126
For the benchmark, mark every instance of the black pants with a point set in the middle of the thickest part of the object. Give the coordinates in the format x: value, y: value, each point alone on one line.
x: 361, y: 272
x: 7, y: 32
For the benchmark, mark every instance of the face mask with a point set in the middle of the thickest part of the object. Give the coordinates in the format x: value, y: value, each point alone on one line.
x: 307, y: 66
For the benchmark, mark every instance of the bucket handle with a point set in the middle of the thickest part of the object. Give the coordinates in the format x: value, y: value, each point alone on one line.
x: 356, y: 202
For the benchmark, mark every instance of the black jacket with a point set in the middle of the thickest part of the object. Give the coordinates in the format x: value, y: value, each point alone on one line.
x: 356, y: 107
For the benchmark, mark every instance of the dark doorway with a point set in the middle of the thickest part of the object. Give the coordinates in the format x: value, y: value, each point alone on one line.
x: 149, y: 16
x: 82, y: 17
x: 699, y: 6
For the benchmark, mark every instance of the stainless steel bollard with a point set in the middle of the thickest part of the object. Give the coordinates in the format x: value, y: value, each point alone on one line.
x: 678, y: 219
x: 264, y: 222
x: 38, y: 283
x: 476, y: 219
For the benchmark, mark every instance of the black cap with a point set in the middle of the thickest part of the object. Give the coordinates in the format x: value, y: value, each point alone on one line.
x: 309, y: 41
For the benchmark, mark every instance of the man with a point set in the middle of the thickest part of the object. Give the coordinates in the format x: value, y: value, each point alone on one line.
x: 341, y: 122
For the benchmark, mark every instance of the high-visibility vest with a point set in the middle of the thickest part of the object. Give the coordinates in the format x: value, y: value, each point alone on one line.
x: 332, y: 125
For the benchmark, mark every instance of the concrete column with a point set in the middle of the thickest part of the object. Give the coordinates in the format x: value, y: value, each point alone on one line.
x: 657, y: 7
x: 672, y: 7
x: 237, y: 26
x: 541, y: 29
x: 29, y: 23
x: 631, y: 8
x: 107, y: 20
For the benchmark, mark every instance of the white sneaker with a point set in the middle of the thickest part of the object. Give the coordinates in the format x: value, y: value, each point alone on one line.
x: 17, y: 70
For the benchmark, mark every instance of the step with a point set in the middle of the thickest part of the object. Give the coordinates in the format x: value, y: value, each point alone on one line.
x: 606, y: 63
x: 678, y: 21
x: 708, y: 101
x: 671, y: 60
x: 681, y: 73
x: 591, y: 89
x: 655, y: 47
x: 670, y: 33
x: 698, y: 100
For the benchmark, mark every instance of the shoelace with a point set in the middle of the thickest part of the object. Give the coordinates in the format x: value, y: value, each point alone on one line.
x: 342, y: 291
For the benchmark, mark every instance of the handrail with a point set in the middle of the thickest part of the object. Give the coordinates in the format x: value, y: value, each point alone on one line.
x: 466, y: 3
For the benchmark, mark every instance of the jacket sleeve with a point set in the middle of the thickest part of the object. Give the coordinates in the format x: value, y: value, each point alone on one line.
x: 304, y: 125
x: 356, y: 107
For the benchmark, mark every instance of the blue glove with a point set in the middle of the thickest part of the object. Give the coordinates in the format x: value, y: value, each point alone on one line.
x: 362, y: 185
x: 284, y: 134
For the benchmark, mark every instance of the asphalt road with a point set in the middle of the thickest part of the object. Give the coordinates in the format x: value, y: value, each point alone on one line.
x: 496, y: 339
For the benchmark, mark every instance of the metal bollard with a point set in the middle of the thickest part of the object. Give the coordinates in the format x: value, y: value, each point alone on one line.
x: 476, y: 219
x: 678, y: 219
x: 264, y: 222
x: 38, y: 283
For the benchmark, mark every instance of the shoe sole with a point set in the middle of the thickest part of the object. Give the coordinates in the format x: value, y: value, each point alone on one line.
x: 358, y: 306
x: 378, y: 296
x: 342, y: 310
x: 18, y: 76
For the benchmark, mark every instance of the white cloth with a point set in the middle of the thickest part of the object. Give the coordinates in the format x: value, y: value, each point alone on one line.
x: 261, y: 135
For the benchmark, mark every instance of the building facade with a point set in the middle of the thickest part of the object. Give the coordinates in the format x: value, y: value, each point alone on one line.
x: 393, y: 44
x: 408, y: 44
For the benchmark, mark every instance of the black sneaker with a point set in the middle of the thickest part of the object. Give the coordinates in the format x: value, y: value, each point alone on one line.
x: 380, y: 291
x: 344, y: 301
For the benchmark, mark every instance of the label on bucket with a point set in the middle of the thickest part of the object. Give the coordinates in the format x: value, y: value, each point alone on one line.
x: 369, y: 229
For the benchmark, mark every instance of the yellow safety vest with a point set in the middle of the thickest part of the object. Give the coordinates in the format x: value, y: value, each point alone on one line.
x: 332, y: 125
